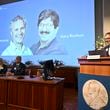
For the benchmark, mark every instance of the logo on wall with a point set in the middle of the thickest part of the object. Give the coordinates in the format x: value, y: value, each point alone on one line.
x: 95, y: 94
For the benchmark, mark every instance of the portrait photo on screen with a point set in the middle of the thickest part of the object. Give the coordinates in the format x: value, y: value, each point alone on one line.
x: 47, y: 29
x: 17, y: 35
x: 48, y: 25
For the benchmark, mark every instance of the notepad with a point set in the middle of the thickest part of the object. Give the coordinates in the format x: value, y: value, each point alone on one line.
x: 93, y: 57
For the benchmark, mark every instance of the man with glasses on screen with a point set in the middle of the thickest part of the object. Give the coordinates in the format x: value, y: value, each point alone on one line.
x: 48, y: 25
x: 16, y: 47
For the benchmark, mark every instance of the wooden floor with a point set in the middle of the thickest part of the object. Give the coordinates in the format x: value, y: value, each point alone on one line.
x: 70, y: 99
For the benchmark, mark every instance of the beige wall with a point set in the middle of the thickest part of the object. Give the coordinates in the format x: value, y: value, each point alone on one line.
x: 106, y: 27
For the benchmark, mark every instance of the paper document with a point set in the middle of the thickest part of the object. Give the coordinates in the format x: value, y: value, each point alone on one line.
x: 93, y: 57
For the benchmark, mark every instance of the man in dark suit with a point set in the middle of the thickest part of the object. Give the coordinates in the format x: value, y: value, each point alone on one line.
x: 18, y: 67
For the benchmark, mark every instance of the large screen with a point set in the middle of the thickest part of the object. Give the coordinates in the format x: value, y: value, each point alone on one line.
x: 47, y: 29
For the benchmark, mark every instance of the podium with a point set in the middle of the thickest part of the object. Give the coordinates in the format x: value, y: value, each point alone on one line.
x: 94, y: 83
x: 95, y: 66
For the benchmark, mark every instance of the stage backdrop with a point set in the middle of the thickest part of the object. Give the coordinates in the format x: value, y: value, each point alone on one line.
x: 76, y: 27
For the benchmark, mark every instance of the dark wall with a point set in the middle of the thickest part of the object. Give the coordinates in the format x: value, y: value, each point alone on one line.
x: 99, y: 15
x: 8, y: 1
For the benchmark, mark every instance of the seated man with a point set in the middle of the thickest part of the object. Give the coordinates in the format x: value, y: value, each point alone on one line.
x: 18, y: 67
x: 3, y: 67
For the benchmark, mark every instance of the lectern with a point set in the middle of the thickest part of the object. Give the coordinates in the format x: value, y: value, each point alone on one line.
x: 94, y: 83
x: 95, y: 66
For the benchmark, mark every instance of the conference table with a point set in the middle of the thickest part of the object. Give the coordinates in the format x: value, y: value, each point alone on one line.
x: 25, y: 93
x: 66, y: 71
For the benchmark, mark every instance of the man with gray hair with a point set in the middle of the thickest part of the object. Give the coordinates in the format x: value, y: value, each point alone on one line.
x: 17, y: 32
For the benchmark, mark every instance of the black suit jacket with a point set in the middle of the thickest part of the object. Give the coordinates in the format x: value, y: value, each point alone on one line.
x: 18, y: 69
x: 106, y: 49
x: 3, y: 70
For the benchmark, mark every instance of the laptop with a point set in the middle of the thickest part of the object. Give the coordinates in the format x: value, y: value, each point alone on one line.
x: 101, y: 52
